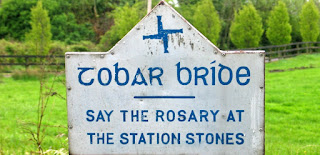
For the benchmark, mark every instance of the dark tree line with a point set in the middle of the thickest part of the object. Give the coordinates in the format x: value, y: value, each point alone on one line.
x: 222, y: 21
x: 71, y: 20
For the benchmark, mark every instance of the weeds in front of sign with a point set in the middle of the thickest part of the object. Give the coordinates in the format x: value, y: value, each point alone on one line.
x: 61, y: 151
x: 19, y: 110
x: 37, y: 131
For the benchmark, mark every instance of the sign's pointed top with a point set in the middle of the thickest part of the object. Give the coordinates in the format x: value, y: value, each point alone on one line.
x: 169, y: 28
x: 162, y: 2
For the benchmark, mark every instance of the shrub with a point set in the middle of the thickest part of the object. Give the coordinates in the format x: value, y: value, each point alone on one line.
x: 79, y: 48
x: 26, y: 75
x: 57, y: 48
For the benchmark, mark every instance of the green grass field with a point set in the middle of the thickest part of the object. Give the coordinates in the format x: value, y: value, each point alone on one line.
x: 18, y: 106
x: 292, y: 110
x: 293, y: 106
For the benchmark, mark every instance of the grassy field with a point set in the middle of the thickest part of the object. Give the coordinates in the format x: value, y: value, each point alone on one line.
x: 292, y: 110
x: 293, y: 106
x: 18, y: 108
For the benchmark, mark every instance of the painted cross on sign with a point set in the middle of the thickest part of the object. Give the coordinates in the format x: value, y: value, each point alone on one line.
x: 162, y: 34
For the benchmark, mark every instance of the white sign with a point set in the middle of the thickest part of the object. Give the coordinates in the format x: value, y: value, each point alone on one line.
x: 165, y: 89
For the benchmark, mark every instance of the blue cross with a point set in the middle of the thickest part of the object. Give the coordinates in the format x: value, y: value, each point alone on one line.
x: 163, y: 34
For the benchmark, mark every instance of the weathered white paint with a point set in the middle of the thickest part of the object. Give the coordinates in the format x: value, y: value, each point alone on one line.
x: 191, y: 49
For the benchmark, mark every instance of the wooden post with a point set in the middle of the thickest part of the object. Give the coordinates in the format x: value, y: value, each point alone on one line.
x: 279, y: 53
x: 149, y: 6
x: 270, y: 55
x: 310, y: 47
x: 26, y: 62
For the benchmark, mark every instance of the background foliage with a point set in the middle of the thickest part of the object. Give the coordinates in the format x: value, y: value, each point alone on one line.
x: 206, y: 19
x: 246, y: 30
x: 279, y: 28
x: 98, y: 21
x: 309, y: 22
x: 40, y: 35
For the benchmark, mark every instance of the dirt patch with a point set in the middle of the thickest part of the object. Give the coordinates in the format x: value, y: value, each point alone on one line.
x: 276, y: 70
x: 291, y: 69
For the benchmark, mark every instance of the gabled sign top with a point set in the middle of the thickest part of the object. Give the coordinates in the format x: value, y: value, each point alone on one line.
x: 165, y: 26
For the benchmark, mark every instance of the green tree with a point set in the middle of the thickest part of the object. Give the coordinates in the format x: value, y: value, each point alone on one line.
x: 125, y: 18
x: 206, y: 20
x: 279, y: 28
x: 14, y: 18
x: 83, y: 17
x: 309, y: 22
x: 187, y: 11
x: 294, y: 8
x: 226, y: 10
x: 65, y: 28
x: 88, y: 10
x: 246, y: 29
x: 40, y: 35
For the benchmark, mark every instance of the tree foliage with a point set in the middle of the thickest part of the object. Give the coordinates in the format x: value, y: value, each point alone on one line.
x: 40, y: 35
x: 78, y: 20
x: 15, y: 18
x: 187, y: 2
x: 125, y: 18
x: 88, y: 10
x: 206, y: 20
x: 226, y: 9
x: 78, y: 15
x: 279, y: 28
x: 187, y: 11
x: 246, y: 29
x: 66, y: 29
x: 309, y: 22
x: 294, y: 8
